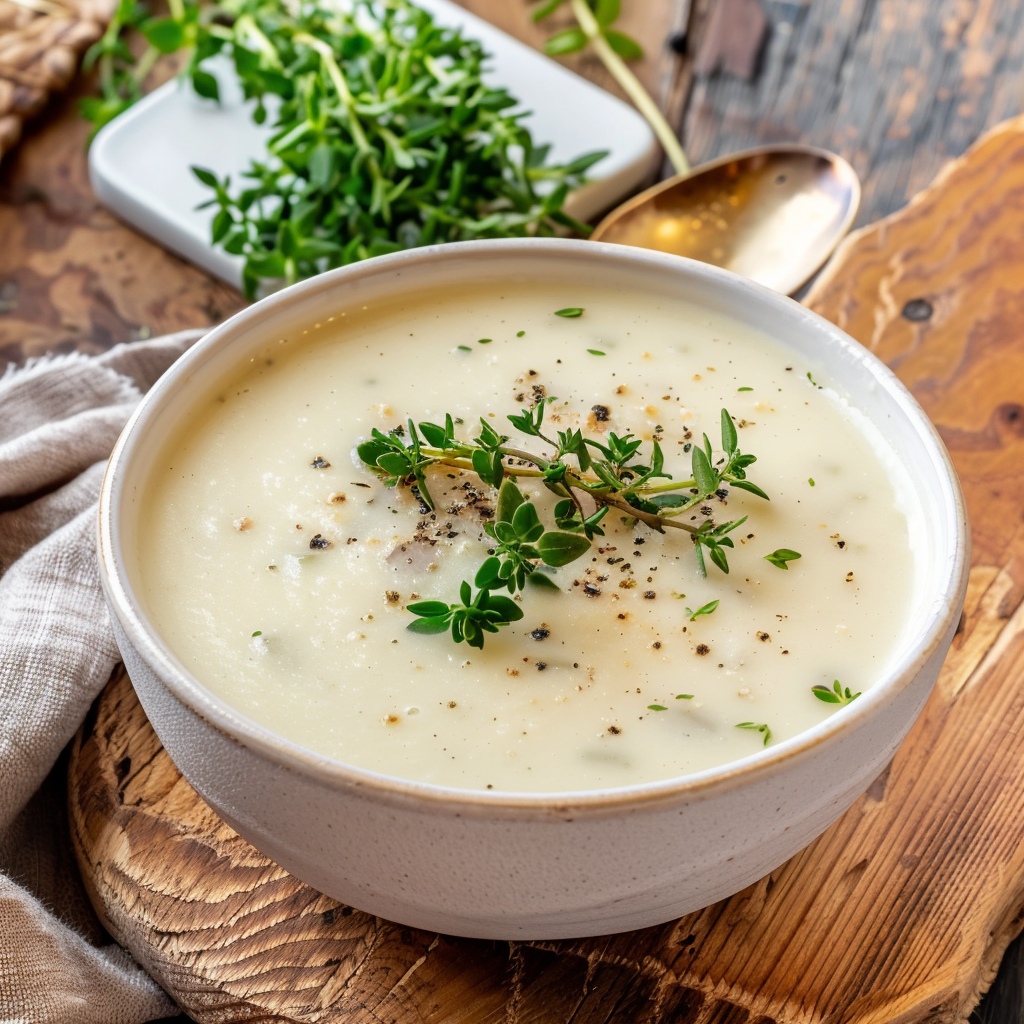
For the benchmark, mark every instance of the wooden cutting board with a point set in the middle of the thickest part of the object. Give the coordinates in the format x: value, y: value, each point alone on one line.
x: 899, y: 913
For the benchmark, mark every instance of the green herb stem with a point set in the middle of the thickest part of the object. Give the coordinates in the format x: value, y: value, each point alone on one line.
x: 594, y: 488
x: 672, y: 485
x: 145, y: 65
x: 631, y: 85
x: 247, y: 29
x: 106, y: 60
x: 655, y: 522
x: 340, y: 85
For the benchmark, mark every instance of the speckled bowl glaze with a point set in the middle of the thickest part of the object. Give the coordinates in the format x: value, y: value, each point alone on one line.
x: 534, y: 866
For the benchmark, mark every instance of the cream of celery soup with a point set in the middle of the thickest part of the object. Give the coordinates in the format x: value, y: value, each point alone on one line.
x: 280, y: 567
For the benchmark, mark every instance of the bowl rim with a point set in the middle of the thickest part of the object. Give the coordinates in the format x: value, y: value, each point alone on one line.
x: 234, y: 725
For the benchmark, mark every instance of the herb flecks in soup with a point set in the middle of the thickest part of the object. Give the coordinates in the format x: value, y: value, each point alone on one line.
x: 284, y: 571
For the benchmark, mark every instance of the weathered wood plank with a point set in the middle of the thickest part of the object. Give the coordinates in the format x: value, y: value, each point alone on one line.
x: 72, y: 277
x: 896, y: 86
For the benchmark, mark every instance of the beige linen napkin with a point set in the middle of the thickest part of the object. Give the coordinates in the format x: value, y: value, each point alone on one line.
x: 59, y: 418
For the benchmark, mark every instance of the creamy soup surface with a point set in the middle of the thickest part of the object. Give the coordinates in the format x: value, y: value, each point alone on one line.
x: 278, y: 567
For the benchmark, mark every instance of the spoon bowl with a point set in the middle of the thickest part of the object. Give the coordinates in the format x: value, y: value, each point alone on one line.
x: 773, y: 214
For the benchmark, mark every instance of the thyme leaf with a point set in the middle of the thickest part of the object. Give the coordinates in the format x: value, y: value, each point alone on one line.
x: 760, y: 727
x: 705, y: 609
x: 780, y: 556
x: 837, y: 695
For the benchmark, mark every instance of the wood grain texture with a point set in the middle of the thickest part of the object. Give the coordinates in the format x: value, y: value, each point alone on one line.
x: 898, y: 914
x: 72, y: 277
x: 733, y: 39
x: 896, y: 86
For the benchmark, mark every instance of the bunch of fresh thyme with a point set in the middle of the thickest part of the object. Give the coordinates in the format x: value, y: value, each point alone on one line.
x: 386, y: 138
x: 385, y: 135
x: 588, y: 477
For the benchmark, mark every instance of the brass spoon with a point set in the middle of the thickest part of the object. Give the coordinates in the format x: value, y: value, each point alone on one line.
x: 773, y: 214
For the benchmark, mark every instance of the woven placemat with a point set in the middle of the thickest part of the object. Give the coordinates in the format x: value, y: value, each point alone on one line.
x: 41, y: 42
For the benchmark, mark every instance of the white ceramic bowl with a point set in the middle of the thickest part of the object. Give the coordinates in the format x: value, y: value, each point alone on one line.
x: 499, y: 865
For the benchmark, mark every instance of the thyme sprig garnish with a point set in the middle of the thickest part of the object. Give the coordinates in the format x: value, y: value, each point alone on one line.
x: 612, y: 473
x: 589, y: 477
x: 469, y: 619
x: 520, y: 542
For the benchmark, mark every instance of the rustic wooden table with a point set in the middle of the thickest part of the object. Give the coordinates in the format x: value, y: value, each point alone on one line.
x: 896, y: 86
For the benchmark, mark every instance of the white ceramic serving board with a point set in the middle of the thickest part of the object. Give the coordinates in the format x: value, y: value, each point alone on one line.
x: 139, y: 164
